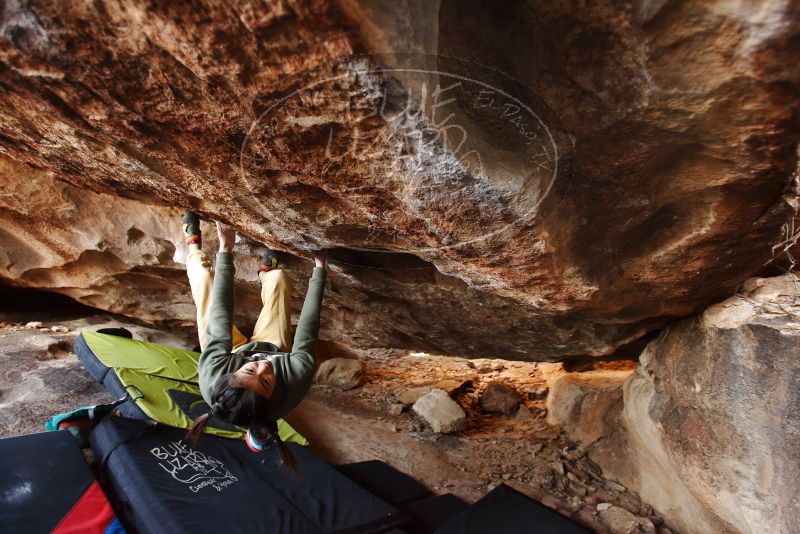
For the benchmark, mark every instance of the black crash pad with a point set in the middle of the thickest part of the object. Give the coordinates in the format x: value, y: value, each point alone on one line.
x: 507, y: 511
x: 383, y: 480
x: 219, y: 485
x: 44, y: 476
x: 427, y: 515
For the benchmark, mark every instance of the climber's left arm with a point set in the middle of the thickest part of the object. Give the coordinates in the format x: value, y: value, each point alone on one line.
x: 308, y: 325
x: 216, y: 358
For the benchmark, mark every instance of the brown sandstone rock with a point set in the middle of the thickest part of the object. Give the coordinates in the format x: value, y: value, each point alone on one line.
x: 500, y: 398
x: 620, y: 521
x: 104, y: 251
x: 667, y: 194
x: 127, y: 257
x: 411, y: 395
x: 710, y: 418
x: 586, y: 404
x: 343, y: 373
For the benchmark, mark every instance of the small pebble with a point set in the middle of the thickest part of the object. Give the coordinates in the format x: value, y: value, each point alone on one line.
x: 610, y: 484
x: 558, y: 467
x: 396, y: 409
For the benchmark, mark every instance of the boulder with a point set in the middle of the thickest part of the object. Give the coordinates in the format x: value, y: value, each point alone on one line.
x: 500, y: 398
x: 343, y: 373
x: 441, y: 412
x: 411, y: 395
x: 609, y: 180
x: 711, y: 416
x: 621, y: 521
x: 586, y: 404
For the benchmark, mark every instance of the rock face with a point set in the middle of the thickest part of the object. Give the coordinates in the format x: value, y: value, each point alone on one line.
x: 120, y: 255
x: 709, y: 430
x: 107, y: 252
x: 104, y: 251
x: 640, y: 170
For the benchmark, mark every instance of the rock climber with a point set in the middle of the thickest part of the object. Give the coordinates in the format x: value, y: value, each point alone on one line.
x: 251, y: 383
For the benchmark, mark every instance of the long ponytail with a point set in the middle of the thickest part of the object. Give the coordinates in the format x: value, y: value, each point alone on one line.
x: 286, y: 456
x: 284, y: 452
x: 197, y: 427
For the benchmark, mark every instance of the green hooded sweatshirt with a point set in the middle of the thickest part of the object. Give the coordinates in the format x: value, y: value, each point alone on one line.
x: 294, y: 371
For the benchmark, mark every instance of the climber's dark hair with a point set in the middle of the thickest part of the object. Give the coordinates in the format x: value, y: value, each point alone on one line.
x: 241, y: 407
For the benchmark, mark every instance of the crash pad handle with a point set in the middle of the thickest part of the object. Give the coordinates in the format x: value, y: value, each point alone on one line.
x: 136, y: 394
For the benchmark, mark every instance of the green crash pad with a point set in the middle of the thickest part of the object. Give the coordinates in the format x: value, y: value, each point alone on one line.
x: 162, y: 381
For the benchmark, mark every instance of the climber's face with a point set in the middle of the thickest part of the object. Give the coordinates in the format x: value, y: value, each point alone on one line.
x: 258, y: 377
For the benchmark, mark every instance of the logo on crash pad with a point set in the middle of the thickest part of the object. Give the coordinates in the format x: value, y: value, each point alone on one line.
x: 462, y: 150
x: 192, y: 467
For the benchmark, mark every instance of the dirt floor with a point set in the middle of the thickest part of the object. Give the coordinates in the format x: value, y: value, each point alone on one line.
x: 40, y: 376
x: 520, y: 450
